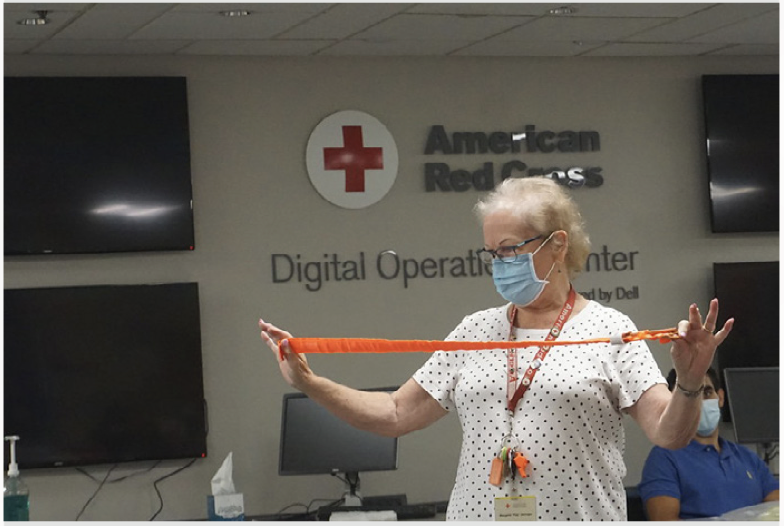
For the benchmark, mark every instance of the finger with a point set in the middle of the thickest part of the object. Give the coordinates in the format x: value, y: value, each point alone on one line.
x: 695, y: 320
x: 725, y: 331
x: 713, y: 314
x: 275, y: 333
x: 683, y: 328
x: 287, y: 353
x: 267, y: 339
x: 270, y: 342
x: 266, y: 326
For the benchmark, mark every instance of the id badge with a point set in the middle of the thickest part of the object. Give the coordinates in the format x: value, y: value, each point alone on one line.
x: 515, y: 508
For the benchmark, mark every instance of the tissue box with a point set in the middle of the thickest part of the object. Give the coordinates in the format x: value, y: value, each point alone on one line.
x: 225, y: 507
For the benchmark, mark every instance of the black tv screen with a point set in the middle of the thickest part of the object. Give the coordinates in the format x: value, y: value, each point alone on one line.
x: 96, y: 164
x: 330, y: 445
x: 103, y: 374
x: 748, y: 292
x: 742, y: 138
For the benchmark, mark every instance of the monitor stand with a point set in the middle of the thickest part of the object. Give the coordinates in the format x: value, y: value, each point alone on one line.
x: 769, y: 452
x: 351, y: 496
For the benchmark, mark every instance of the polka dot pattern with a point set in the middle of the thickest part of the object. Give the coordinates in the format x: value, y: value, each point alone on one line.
x: 568, y: 424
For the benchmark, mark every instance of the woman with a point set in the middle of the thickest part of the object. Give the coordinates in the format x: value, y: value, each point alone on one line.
x: 568, y: 424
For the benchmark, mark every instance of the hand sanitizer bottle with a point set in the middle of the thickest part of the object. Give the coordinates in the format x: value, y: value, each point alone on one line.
x: 16, y: 496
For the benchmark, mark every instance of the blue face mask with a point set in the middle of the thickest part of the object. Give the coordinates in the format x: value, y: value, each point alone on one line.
x: 516, y: 281
x: 709, y: 417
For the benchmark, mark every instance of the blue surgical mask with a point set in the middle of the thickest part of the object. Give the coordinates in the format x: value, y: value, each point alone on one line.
x: 709, y: 417
x: 517, y: 281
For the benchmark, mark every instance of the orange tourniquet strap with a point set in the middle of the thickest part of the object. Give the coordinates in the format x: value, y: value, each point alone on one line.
x: 368, y: 345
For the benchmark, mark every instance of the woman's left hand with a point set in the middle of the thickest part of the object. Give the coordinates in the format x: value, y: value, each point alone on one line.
x: 693, y: 353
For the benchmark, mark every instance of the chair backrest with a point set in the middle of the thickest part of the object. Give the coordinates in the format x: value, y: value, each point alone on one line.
x: 635, y: 509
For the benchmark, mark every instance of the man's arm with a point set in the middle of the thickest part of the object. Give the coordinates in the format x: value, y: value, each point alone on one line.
x: 659, y: 486
x: 772, y: 496
x: 663, y: 508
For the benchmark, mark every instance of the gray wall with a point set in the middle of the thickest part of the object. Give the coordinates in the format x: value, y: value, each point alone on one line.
x: 250, y: 122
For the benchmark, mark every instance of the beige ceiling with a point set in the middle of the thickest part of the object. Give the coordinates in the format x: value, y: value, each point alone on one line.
x: 395, y: 29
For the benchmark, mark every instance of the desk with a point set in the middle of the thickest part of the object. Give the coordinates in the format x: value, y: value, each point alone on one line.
x: 764, y: 511
x: 427, y: 511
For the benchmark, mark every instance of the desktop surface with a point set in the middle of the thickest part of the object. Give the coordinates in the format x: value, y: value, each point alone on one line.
x: 402, y: 510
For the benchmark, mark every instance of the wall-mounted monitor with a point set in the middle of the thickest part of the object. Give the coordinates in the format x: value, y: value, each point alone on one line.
x: 741, y: 115
x: 96, y: 164
x: 103, y: 374
x: 753, y: 399
x: 749, y: 292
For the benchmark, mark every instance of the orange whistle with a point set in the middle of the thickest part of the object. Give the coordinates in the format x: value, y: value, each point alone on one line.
x: 521, y: 462
x: 496, y: 472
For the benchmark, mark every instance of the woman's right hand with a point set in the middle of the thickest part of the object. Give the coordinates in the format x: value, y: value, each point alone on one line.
x: 294, y: 367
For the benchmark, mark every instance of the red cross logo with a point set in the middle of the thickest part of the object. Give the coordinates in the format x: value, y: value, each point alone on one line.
x: 354, y: 158
x: 351, y: 143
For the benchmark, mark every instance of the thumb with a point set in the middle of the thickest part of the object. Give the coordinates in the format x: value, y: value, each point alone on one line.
x: 683, y: 328
x: 284, y: 349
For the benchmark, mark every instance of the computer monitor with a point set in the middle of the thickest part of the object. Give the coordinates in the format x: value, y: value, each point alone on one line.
x: 314, y: 441
x: 753, y: 396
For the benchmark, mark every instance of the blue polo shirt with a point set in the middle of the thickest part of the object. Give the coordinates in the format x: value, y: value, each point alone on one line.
x: 707, y: 482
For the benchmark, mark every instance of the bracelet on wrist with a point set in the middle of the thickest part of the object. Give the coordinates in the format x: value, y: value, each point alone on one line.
x: 689, y: 394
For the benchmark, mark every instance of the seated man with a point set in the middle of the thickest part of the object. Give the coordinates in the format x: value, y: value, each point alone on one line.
x: 710, y: 476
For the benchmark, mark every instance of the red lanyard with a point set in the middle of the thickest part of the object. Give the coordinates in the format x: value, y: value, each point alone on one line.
x: 514, y: 392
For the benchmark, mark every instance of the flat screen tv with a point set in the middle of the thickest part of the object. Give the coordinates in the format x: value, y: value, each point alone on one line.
x: 753, y: 399
x: 314, y: 441
x: 742, y: 138
x: 96, y: 164
x: 748, y: 292
x: 103, y: 374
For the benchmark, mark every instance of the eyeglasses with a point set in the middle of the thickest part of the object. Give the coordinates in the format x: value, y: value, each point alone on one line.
x: 506, y: 254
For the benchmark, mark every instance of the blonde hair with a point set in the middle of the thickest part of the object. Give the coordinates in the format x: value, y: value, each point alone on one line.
x: 545, y: 206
